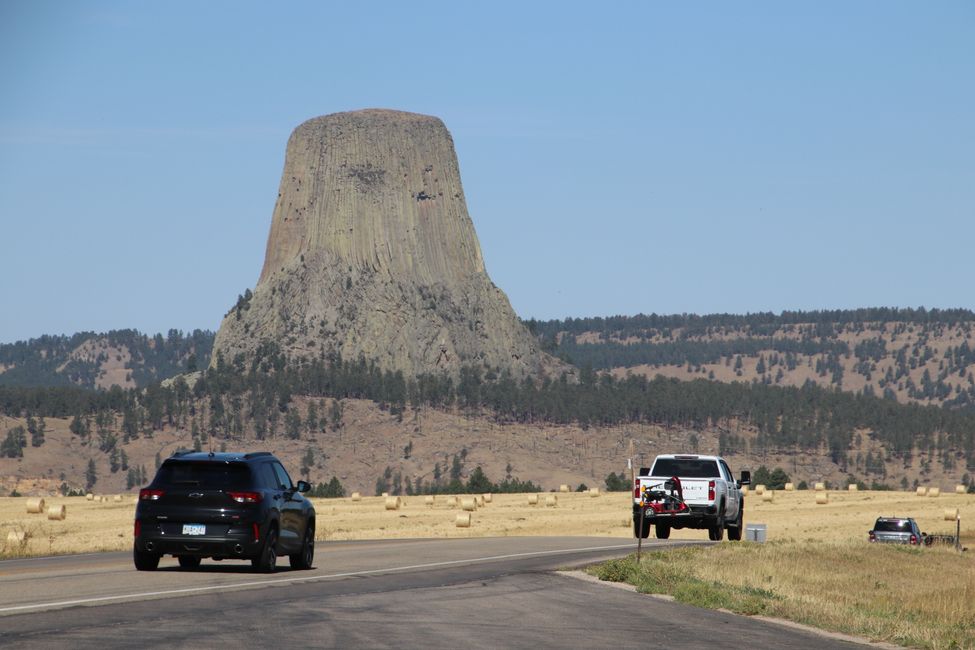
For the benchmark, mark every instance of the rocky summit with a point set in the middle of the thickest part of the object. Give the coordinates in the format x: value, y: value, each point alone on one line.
x: 372, y: 253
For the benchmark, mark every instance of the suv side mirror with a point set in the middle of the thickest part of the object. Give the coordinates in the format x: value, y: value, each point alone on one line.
x: 303, y: 486
x: 746, y: 477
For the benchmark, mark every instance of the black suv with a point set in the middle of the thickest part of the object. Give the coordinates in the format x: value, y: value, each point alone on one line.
x: 224, y: 506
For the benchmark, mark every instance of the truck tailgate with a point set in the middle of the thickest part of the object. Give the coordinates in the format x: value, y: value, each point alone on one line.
x: 695, y: 490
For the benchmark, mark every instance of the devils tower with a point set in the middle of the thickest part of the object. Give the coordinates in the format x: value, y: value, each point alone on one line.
x: 372, y: 253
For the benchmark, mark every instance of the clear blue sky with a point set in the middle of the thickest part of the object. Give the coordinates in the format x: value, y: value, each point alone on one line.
x: 617, y: 157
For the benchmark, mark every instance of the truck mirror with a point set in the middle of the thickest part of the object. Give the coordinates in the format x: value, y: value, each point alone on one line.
x: 746, y: 477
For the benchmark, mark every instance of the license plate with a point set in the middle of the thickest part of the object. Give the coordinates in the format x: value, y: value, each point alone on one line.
x: 194, y: 529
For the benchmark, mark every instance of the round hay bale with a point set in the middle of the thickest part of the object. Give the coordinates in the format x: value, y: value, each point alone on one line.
x: 820, y: 486
x: 551, y: 500
x: 463, y: 520
x: 90, y: 497
x: 57, y: 513
x: 789, y: 487
x: 744, y: 490
x: 480, y: 501
x: 822, y: 497
x: 563, y: 488
x: 922, y: 491
x: 960, y: 489
x: 934, y: 492
x: 852, y: 487
x: 469, y: 503
x: 356, y: 496
x: 593, y: 492
x: 35, y: 505
x: 16, y: 537
x: 533, y: 499
x: 384, y: 494
x: 393, y: 503
x: 117, y: 498
x: 768, y: 495
x: 759, y: 489
x: 488, y: 498
x: 428, y: 499
x: 951, y: 514
x: 452, y: 501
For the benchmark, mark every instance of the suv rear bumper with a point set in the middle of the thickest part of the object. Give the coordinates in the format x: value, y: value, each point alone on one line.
x: 233, y: 545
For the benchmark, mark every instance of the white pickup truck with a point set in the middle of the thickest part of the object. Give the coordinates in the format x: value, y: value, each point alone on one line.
x: 688, y: 491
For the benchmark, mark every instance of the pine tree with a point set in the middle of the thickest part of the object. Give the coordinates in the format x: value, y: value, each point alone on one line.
x: 91, y: 474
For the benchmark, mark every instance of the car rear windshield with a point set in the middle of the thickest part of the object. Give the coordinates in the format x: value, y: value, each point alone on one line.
x: 892, y: 526
x: 215, y: 476
x: 685, y: 468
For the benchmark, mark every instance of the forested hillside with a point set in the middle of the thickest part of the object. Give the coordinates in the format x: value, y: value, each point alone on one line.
x: 885, y: 401
x: 906, y: 355
x: 125, y: 358
x: 274, y: 398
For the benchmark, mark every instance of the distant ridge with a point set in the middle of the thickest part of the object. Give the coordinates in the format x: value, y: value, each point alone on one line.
x: 126, y: 358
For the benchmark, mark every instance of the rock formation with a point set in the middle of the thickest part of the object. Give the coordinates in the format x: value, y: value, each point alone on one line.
x: 372, y: 252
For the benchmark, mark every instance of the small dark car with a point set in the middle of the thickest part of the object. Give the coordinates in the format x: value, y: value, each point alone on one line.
x: 896, y: 530
x: 224, y: 506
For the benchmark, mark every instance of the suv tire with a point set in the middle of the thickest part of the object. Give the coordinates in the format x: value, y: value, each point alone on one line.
x: 145, y: 561
x: 267, y: 561
x: 304, y: 558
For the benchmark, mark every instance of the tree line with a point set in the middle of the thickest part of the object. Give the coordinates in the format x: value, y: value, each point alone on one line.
x: 255, y: 397
x: 625, y: 325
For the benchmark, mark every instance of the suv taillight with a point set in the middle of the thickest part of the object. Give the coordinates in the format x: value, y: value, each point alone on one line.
x: 636, y: 488
x: 146, y: 494
x: 245, y: 497
x: 710, y: 490
x: 914, y: 540
x: 872, y: 537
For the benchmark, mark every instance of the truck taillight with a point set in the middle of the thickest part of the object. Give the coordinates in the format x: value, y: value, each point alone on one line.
x: 636, y: 488
x: 710, y: 490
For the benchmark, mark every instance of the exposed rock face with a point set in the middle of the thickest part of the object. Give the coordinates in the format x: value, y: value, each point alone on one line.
x: 372, y: 252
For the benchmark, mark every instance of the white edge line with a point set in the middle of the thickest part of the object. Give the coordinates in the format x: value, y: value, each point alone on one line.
x: 261, y: 583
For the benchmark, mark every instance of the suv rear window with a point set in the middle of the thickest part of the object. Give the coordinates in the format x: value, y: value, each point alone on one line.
x: 215, y: 476
x: 892, y: 526
x: 685, y: 468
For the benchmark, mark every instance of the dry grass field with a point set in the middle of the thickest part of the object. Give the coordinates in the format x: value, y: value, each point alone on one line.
x: 790, y: 517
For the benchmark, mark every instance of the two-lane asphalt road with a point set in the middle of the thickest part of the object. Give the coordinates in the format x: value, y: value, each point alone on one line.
x: 471, y: 593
